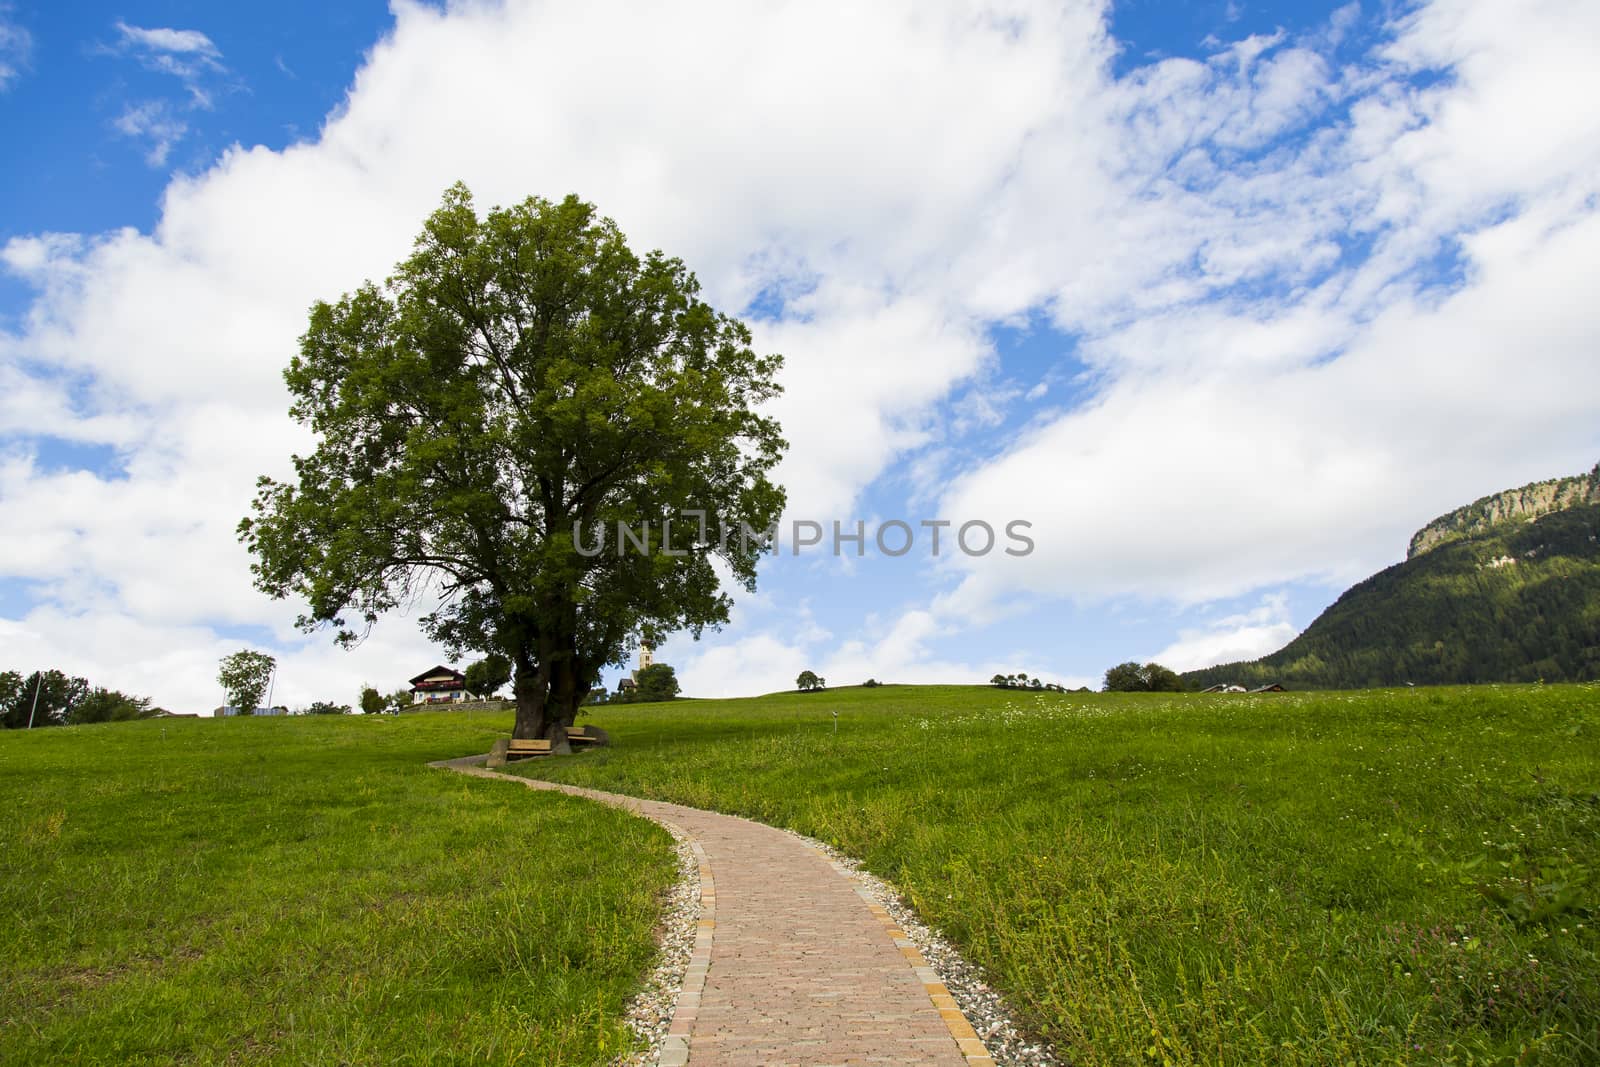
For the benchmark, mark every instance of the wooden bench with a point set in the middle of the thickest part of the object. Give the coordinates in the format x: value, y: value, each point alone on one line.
x: 520, y: 748
x: 577, y: 737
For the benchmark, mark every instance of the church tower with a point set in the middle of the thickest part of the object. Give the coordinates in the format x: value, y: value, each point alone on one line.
x: 646, y: 655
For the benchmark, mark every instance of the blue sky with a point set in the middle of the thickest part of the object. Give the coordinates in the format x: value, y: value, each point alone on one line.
x: 280, y: 69
x: 1222, y: 297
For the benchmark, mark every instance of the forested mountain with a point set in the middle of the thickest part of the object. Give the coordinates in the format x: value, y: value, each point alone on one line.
x: 1488, y: 594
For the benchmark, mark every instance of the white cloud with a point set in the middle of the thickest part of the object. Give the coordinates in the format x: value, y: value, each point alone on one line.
x: 1305, y: 431
x: 1246, y: 636
x: 153, y: 122
x: 1270, y: 404
x: 188, y: 55
x: 16, y: 48
x: 767, y: 661
x: 166, y: 41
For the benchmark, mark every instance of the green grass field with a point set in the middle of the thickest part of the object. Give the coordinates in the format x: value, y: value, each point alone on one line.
x: 1375, y: 878
x: 306, y: 891
x: 1390, y: 877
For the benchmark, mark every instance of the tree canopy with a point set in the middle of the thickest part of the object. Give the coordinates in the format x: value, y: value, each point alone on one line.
x: 110, y: 705
x: 521, y: 381
x: 1142, y: 678
x: 654, y: 683
x: 809, y: 680
x: 486, y: 677
x: 244, y: 676
x: 42, y: 698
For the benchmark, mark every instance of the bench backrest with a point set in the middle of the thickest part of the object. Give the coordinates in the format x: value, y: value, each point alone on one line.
x: 528, y: 745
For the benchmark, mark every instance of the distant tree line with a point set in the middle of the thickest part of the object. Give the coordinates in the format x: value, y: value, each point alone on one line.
x: 1020, y: 680
x: 54, y: 698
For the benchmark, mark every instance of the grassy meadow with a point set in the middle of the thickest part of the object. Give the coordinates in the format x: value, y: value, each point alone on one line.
x: 306, y: 891
x: 1360, y: 878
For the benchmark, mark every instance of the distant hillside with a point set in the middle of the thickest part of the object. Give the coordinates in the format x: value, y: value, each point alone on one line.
x: 1488, y: 594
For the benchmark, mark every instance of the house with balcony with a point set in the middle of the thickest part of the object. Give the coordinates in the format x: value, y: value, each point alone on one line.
x: 439, y: 685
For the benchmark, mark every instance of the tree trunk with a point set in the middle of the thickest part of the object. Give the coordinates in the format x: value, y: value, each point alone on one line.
x: 564, y: 698
x: 568, y: 683
x: 532, y: 690
x: 548, y: 696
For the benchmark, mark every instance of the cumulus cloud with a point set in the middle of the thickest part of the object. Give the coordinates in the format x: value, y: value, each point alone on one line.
x: 1240, y: 245
x: 1302, y: 429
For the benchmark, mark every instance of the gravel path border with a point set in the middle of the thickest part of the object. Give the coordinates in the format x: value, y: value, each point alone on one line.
x: 649, y: 1014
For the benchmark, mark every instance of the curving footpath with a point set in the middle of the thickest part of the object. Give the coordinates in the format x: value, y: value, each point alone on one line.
x: 792, y: 963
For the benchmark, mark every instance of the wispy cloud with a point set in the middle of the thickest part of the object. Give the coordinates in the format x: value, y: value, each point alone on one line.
x: 161, y: 39
x: 188, y: 55
x: 154, y: 122
x: 16, y: 47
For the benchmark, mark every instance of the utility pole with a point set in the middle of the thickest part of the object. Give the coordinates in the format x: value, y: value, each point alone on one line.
x: 272, y: 680
x: 38, y: 680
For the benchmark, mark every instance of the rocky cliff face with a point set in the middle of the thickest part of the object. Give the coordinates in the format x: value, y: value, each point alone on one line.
x: 1524, y: 505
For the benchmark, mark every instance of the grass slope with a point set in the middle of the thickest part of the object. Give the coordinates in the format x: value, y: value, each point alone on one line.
x: 1386, y: 877
x: 307, y: 891
x: 1456, y: 614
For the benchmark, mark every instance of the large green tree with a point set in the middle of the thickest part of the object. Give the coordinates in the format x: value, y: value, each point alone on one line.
x: 372, y: 701
x: 245, y: 676
x: 1146, y: 678
x: 523, y: 380
x: 654, y: 683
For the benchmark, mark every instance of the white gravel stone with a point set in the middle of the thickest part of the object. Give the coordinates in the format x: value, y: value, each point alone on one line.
x: 650, y: 1013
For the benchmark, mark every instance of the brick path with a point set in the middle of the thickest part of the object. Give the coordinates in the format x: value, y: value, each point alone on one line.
x: 793, y: 962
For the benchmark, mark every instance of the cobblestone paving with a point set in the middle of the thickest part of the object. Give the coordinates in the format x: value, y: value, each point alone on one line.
x: 793, y: 963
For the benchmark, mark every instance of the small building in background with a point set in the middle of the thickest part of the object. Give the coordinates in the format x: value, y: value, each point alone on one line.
x: 1273, y: 688
x: 439, y: 685
x: 647, y: 657
x: 227, y: 710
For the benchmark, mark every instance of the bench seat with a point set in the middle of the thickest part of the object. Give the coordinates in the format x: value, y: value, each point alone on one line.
x: 521, y: 748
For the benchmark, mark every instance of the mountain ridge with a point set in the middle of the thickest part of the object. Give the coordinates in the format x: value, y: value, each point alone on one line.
x: 1505, y: 589
x: 1526, y: 502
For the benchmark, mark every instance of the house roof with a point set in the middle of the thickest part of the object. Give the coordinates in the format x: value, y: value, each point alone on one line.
x: 439, y: 673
